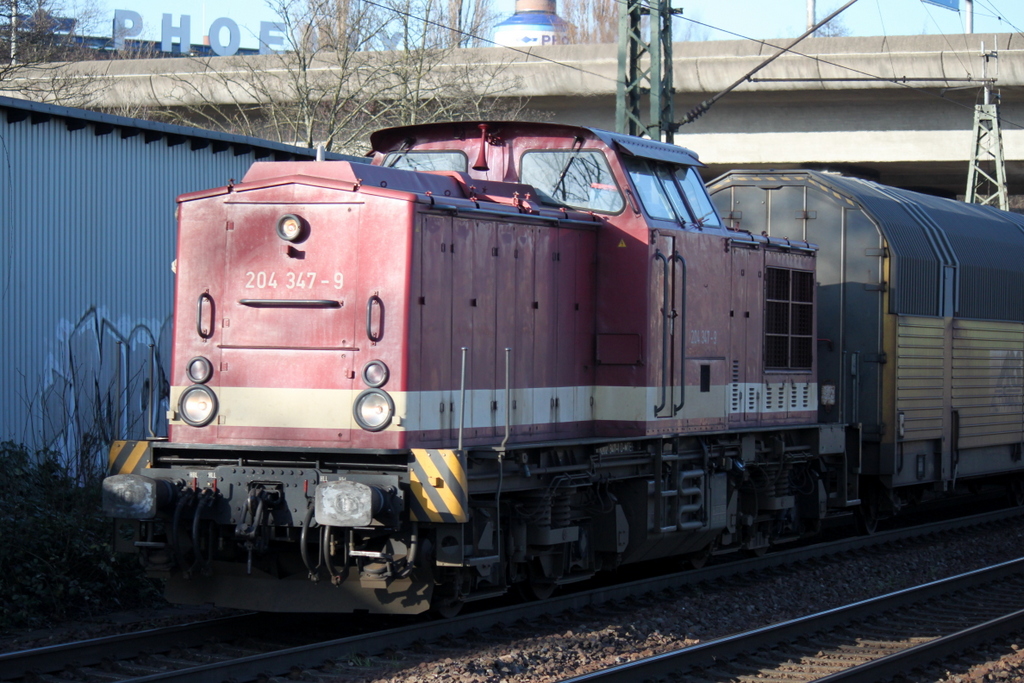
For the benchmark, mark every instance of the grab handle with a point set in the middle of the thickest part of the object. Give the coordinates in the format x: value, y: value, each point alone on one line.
x: 666, y: 321
x: 374, y: 300
x: 208, y: 332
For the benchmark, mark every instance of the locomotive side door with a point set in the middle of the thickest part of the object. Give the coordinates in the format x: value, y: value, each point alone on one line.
x: 473, y: 326
x: 745, y: 335
x: 430, y: 374
x: 514, y: 324
x: 667, y: 331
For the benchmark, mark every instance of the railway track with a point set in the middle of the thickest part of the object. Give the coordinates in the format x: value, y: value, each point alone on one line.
x: 869, y: 641
x: 235, y: 648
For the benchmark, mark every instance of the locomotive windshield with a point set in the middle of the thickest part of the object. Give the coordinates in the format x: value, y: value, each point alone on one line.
x: 581, y: 179
x: 429, y: 160
x: 671, y: 192
x: 693, y: 187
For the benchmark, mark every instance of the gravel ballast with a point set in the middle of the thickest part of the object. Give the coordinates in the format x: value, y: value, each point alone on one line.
x: 567, y: 645
x: 570, y: 645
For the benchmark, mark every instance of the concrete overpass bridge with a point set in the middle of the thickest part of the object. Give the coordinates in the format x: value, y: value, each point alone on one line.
x: 895, y: 109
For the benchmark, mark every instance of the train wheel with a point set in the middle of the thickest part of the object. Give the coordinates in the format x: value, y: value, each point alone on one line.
x: 867, y: 514
x: 447, y: 608
x: 1015, y: 491
x: 536, y: 590
x: 700, y: 558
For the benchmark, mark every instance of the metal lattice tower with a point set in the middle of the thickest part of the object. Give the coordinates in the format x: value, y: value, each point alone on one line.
x: 986, y: 178
x: 651, y: 76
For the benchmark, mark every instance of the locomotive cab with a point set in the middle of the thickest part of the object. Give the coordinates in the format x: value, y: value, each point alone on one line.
x: 501, y: 354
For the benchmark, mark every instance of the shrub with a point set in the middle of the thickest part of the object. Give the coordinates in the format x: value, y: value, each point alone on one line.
x: 56, y: 560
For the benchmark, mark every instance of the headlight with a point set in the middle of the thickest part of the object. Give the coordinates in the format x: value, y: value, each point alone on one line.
x: 199, y: 370
x: 375, y: 374
x: 373, y: 410
x: 197, y: 405
x: 291, y: 228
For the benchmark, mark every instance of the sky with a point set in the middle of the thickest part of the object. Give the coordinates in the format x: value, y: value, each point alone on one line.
x: 749, y: 18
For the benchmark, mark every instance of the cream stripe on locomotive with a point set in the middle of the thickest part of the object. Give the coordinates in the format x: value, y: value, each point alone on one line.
x: 270, y: 407
x: 332, y: 408
x: 437, y: 479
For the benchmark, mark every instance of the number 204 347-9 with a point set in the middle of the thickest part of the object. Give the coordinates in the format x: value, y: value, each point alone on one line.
x: 703, y: 336
x: 308, y: 280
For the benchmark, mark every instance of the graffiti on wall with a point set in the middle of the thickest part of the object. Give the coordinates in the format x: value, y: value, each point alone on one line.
x: 1009, y: 382
x: 103, y: 379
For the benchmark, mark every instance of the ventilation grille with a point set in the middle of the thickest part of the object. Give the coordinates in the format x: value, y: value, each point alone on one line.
x: 735, y: 392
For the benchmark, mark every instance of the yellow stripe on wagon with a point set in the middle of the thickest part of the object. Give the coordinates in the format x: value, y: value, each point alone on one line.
x: 438, y: 482
x: 125, y: 456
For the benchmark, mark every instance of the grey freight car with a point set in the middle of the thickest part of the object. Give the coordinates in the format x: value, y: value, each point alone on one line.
x: 921, y: 304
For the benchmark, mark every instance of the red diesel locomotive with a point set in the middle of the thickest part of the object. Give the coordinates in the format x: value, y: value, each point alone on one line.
x: 503, y: 355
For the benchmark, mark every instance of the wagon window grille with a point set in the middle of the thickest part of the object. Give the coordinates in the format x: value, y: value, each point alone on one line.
x: 789, y: 319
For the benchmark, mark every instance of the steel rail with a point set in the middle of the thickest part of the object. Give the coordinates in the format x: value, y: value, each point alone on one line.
x: 927, y: 653
x: 713, y: 651
x: 95, y: 650
x: 283, y: 661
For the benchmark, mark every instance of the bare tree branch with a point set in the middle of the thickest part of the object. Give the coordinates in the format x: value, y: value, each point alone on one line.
x: 351, y: 69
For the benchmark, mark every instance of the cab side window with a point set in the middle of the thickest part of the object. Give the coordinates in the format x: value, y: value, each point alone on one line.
x: 578, y: 178
x: 427, y: 161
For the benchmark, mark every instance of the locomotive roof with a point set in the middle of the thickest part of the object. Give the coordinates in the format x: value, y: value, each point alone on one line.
x: 926, y: 234
x: 629, y: 144
x: 449, y: 189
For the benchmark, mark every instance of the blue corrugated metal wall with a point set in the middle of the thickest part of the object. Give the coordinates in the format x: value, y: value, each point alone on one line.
x: 87, y: 236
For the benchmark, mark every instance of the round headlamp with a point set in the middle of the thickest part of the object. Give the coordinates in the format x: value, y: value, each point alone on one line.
x: 376, y: 373
x: 291, y: 228
x: 373, y: 410
x: 199, y: 370
x: 197, y: 405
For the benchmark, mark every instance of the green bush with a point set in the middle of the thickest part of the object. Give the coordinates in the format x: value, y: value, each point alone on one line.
x: 56, y: 560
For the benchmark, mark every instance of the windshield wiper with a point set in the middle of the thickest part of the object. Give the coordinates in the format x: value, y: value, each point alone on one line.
x: 577, y: 145
x: 402, y: 151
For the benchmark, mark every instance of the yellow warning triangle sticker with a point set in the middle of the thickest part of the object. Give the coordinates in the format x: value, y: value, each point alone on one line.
x: 622, y: 243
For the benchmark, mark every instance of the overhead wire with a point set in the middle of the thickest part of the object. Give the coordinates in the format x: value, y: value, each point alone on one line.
x: 1000, y: 17
x: 946, y: 38
x: 895, y: 80
x: 488, y: 40
x: 866, y: 74
x: 885, y: 38
x: 703, y: 107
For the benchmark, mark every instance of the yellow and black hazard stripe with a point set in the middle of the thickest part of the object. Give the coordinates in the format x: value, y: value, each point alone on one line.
x: 128, y: 456
x: 439, y: 488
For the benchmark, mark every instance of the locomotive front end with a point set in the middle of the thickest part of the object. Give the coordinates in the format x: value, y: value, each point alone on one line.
x: 284, y: 483
x: 285, y: 290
